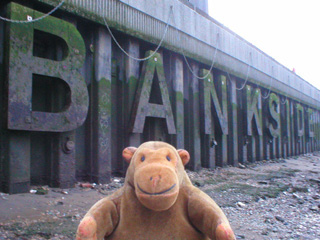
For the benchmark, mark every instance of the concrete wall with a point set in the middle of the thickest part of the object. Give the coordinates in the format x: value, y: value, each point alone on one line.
x: 197, y: 36
x: 197, y: 4
x: 71, y: 99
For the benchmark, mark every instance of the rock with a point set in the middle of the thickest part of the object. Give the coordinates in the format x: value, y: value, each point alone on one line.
x: 314, y: 208
x: 241, y: 204
x: 315, y: 180
x: 41, y: 191
x: 280, y: 219
x: 300, y: 189
x: 263, y: 182
x: 86, y: 185
x: 240, y: 237
x: 199, y: 183
x: 242, y: 166
x: 296, y: 196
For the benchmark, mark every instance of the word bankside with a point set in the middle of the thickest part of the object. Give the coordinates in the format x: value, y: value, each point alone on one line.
x: 223, y: 111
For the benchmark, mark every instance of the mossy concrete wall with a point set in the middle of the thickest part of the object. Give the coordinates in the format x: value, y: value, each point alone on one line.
x: 71, y: 100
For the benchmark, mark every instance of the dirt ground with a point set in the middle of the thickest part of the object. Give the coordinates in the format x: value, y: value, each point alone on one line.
x: 268, y: 200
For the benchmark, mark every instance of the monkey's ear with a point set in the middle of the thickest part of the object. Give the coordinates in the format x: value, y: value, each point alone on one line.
x: 128, y: 152
x: 184, y: 155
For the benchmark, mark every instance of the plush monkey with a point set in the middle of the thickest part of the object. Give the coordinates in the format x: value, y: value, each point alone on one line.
x: 157, y: 201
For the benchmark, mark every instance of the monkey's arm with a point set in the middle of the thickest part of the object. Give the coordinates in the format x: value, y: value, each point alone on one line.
x: 99, y: 221
x: 208, y: 217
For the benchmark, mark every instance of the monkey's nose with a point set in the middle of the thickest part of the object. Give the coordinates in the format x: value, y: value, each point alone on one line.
x: 155, y: 180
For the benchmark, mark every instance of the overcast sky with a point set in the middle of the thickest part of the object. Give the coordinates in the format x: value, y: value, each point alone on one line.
x: 287, y: 30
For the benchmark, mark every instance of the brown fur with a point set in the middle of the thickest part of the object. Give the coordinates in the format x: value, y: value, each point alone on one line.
x: 157, y: 201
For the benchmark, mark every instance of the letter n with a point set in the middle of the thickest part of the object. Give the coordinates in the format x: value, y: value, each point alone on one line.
x: 220, y: 109
x: 210, y: 101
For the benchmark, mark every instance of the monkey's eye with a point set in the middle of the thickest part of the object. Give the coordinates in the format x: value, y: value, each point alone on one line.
x: 168, y: 158
x: 143, y: 158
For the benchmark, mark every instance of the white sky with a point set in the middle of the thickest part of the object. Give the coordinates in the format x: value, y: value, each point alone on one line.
x: 287, y: 30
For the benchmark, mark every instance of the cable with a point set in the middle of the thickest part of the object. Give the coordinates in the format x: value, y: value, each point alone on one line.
x: 268, y: 94
x: 285, y: 100
x: 34, y: 20
x: 155, y: 51
x: 186, y: 60
x: 211, y: 67
x: 247, y: 77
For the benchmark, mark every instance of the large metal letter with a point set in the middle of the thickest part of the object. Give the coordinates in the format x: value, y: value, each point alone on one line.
x: 275, y: 132
x: 145, y: 109
x: 209, y: 92
x: 23, y: 65
x: 254, y: 112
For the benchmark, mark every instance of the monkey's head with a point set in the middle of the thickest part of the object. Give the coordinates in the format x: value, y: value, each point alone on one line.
x: 156, y: 172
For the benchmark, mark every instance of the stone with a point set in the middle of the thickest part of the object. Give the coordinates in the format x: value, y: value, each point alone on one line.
x: 240, y: 237
x: 199, y: 183
x: 241, y: 204
x: 280, y: 219
x: 242, y: 166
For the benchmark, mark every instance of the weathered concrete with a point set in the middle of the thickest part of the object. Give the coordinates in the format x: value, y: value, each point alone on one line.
x: 21, y: 115
x: 195, y: 41
x: 222, y: 118
x: 102, y: 108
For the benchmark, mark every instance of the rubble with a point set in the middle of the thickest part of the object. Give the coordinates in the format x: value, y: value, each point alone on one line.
x: 264, y: 200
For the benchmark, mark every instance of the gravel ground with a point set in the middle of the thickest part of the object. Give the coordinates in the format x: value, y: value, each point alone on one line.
x: 277, y: 199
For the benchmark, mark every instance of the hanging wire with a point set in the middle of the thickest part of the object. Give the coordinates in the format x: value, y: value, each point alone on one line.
x: 157, y: 48
x: 286, y: 97
x: 247, y: 76
x: 285, y: 100
x: 36, y: 19
x: 211, y: 67
x: 185, y: 58
x: 269, y: 91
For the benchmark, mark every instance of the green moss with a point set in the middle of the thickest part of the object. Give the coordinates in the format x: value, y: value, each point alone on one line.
x: 45, y: 230
x: 272, y: 191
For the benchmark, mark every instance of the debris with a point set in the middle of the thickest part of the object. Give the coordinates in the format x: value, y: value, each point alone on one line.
x: 316, y: 197
x: 241, y: 204
x: 296, y: 188
x: 315, y: 180
x: 314, y: 208
x: 41, y: 191
x: 263, y: 182
x: 199, y: 183
x: 116, y: 180
x: 280, y: 219
x: 86, y: 185
x: 242, y: 166
x: 240, y: 237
